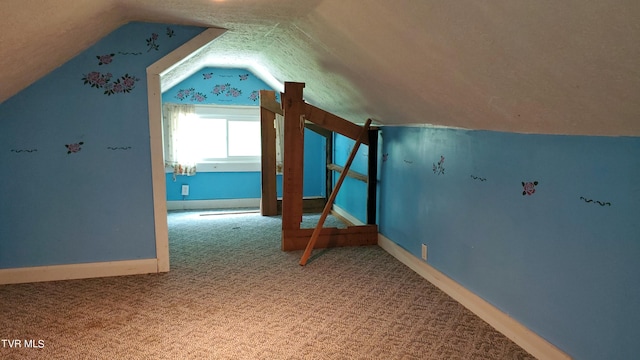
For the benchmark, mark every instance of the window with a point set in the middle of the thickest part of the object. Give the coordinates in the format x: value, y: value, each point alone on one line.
x: 221, y: 138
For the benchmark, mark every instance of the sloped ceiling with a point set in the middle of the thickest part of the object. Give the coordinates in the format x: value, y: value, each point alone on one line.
x: 554, y: 67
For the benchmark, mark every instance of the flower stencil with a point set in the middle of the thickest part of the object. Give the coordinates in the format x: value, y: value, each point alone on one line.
x: 439, y: 169
x: 220, y: 88
x: 74, y: 148
x: 529, y: 187
x: 190, y: 94
x: 184, y: 93
x: 97, y: 79
x: 105, y: 59
x: 199, y: 97
x: 151, y: 43
x: 124, y: 84
x: 235, y: 92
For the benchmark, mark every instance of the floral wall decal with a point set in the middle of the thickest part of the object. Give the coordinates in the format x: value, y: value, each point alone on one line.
x: 478, y: 178
x: 151, y: 43
x: 184, y: 93
x: 119, y: 147
x: 385, y: 157
x: 74, y: 148
x: 190, y: 94
x: 601, y: 203
x: 123, y: 84
x: 199, y: 97
x: 220, y: 88
x: 439, y: 168
x: 235, y: 92
x: 97, y: 79
x: 232, y: 86
x: 528, y: 188
x: 227, y: 90
x: 105, y: 59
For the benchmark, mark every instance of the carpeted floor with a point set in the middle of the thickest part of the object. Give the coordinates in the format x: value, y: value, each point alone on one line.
x: 232, y: 294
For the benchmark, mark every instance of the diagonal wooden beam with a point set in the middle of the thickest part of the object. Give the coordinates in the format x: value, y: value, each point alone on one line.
x: 334, y: 123
x: 318, y: 129
x: 364, y: 134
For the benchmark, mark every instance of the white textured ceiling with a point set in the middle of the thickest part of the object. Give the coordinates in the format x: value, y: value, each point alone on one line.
x: 556, y: 67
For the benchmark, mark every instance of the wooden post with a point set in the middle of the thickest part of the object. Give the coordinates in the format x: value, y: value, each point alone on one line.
x: 293, y: 107
x: 364, y: 133
x: 372, y: 181
x: 269, y: 199
x: 329, y: 173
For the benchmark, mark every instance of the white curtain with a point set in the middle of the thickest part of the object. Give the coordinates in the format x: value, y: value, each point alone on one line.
x: 279, y: 124
x: 176, y: 144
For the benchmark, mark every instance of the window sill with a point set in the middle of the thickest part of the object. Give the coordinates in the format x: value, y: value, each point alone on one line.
x: 224, y: 167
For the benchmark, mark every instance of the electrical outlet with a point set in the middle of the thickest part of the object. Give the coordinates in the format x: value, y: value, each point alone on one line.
x: 185, y: 190
x: 424, y: 252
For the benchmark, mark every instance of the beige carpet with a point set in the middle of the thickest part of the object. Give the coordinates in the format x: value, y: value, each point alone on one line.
x: 232, y: 294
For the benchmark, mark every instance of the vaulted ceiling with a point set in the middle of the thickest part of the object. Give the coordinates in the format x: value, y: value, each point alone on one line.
x: 555, y: 67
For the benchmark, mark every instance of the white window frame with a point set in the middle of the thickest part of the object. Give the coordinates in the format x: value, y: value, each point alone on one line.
x: 229, y: 113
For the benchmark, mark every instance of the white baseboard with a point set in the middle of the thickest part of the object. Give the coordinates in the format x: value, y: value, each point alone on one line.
x: 525, y: 338
x: 212, y: 204
x: 77, y: 271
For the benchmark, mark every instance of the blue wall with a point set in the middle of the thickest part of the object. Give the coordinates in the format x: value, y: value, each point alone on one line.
x: 352, y: 196
x: 561, y: 259
x: 74, y: 147
x: 246, y: 185
x: 220, y: 86
x: 229, y: 86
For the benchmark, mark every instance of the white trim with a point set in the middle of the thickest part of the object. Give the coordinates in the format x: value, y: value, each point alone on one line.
x: 229, y: 112
x: 342, y: 212
x: 77, y: 271
x: 204, y: 167
x: 213, y: 204
x: 518, y: 333
x: 154, y: 71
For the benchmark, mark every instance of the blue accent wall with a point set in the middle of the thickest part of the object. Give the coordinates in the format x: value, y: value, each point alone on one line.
x: 352, y: 195
x: 74, y: 146
x: 247, y: 185
x: 559, y: 254
x: 239, y: 87
x: 219, y: 86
